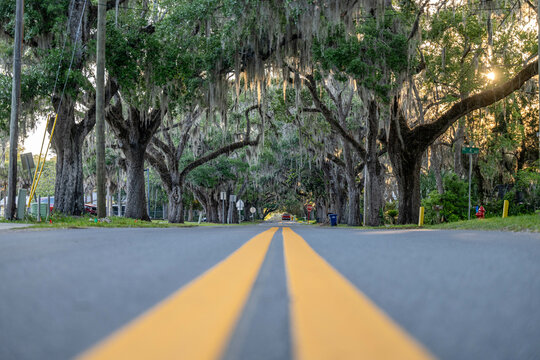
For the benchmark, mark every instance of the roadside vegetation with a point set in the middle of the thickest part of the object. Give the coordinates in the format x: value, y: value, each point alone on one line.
x: 526, y: 223
x: 530, y: 223
x: 87, y: 221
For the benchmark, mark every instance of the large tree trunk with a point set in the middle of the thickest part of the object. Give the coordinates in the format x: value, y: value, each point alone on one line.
x: 374, y: 169
x: 67, y: 142
x: 406, y: 163
x: 405, y: 153
x: 214, y: 208
x: 68, y: 190
x: 436, y: 163
x: 136, y: 195
x: 374, y: 193
x: 190, y: 213
x: 352, y: 188
x: 135, y: 133
x: 354, y: 205
x: 176, y: 205
x: 408, y: 175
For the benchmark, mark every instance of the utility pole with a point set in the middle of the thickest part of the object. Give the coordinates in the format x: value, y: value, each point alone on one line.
x: 470, y: 174
x: 148, y: 191
x: 100, y: 109
x: 15, y: 105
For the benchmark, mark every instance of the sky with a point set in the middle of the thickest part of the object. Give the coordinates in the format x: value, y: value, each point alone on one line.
x: 32, y: 143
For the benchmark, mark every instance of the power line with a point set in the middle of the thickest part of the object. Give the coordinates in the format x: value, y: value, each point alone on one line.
x: 72, y: 5
x: 72, y: 56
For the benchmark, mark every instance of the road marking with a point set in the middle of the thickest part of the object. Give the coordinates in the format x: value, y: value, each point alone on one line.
x: 331, y: 319
x: 197, y: 321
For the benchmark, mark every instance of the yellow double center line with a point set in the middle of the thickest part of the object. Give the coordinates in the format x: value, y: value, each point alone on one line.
x: 330, y: 318
x: 197, y: 321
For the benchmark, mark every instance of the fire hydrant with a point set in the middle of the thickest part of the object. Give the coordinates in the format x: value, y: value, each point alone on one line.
x: 481, y: 212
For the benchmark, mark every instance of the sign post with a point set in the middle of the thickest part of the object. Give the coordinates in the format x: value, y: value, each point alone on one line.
x: 309, y: 208
x: 223, y: 197
x: 239, y: 207
x: 538, y: 133
x: 470, y: 150
x: 27, y: 161
x: 252, y: 210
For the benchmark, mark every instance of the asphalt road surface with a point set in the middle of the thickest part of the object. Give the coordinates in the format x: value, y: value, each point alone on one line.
x: 262, y: 292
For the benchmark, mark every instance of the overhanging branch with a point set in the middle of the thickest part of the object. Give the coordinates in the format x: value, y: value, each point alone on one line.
x: 211, y: 156
x: 428, y: 133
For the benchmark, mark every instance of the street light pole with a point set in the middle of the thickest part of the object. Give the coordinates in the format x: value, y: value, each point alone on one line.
x: 470, y: 173
x: 148, y: 191
x: 100, y: 109
x: 15, y: 105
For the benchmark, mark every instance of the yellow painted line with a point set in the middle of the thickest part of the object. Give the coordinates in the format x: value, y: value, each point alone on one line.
x: 197, y: 321
x: 331, y: 319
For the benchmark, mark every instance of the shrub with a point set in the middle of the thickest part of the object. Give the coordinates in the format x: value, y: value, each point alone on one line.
x: 454, y: 201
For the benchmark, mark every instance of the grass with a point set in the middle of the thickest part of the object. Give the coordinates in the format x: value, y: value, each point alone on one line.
x: 529, y: 223
x: 82, y: 222
x: 243, y: 223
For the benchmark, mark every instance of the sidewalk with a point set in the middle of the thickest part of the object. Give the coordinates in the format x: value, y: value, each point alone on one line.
x: 9, y: 226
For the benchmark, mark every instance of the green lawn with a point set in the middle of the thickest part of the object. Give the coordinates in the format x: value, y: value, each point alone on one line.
x: 513, y: 223
x: 115, y: 222
x: 63, y: 222
x: 529, y: 223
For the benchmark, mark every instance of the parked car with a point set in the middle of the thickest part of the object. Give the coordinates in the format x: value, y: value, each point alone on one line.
x: 286, y: 217
x: 90, y: 209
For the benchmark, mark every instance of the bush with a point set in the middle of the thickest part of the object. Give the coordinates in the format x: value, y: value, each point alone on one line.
x: 524, y: 196
x: 454, y: 201
x: 390, y: 213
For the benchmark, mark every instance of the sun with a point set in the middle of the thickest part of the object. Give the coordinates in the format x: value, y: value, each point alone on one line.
x: 490, y: 75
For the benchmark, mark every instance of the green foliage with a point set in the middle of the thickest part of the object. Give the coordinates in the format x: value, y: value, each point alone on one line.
x: 390, y: 216
x: 374, y: 56
x: 454, y: 201
x: 47, y: 180
x: 40, y: 17
x: 524, y: 197
x: 529, y: 223
x: 211, y: 174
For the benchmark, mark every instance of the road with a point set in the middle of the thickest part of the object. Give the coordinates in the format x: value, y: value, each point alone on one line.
x: 262, y: 292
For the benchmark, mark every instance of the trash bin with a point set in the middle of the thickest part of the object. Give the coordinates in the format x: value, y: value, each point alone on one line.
x: 333, y: 219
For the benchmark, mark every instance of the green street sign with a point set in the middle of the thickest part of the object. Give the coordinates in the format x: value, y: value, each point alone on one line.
x: 470, y: 150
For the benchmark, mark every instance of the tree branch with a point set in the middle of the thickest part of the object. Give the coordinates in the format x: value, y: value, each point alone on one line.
x: 182, y: 145
x: 248, y: 122
x: 336, y: 160
x: 158, y: 163
x: 113, y: 115
x: 428, y: 133
x: 149, y: 129
x: 166, y: 148
x: 215, y: 154
x: 327, y: 113
x: 532, y: 6
x: 111, y: 88
x: 415, y: 27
